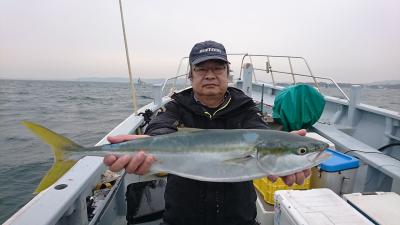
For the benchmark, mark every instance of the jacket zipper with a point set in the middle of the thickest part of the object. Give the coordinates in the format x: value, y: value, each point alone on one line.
x: 222, y: 107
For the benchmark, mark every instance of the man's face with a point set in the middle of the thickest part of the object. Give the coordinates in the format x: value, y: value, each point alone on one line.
x: 210, y: 78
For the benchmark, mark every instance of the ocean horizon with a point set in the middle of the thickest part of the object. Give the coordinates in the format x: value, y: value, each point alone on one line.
x: 83, y: 111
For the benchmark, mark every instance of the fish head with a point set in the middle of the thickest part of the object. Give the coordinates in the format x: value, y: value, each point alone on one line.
x: 286, y: 156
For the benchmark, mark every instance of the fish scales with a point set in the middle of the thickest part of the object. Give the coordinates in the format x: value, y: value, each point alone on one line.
x: 208, y: 155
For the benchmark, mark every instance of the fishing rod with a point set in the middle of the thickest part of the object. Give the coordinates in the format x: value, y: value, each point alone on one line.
x: 133, y: 90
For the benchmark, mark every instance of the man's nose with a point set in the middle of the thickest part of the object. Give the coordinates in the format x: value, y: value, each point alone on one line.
x: 209, y: 74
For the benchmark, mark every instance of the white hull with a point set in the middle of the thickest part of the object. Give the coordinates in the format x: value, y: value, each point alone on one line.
x: 353, y: 127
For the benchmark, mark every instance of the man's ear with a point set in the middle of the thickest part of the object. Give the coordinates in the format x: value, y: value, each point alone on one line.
x: 190, y: 76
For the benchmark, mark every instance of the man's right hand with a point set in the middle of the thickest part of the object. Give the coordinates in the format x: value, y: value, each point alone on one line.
x: 139, y: 163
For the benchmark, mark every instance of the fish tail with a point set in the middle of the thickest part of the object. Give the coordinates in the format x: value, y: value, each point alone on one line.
x: 59, y: 145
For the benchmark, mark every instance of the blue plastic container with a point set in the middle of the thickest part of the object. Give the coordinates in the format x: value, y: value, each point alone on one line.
x: 338, y: 162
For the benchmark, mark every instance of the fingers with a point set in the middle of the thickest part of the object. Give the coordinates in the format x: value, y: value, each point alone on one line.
x: 109, y: 159
x: 289, y: 179
x: 124, y: 137
x: 300, y: 178
x: 272, y: 178
x: 145, y: 166
x: 307, y: 173
x: 120, y: 138
x: 301, y: 132
x: 297, y: 178
x: 120, y: 163
x: 137, y: 164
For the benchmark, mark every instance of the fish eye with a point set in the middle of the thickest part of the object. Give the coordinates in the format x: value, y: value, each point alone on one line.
x: 301, y: 151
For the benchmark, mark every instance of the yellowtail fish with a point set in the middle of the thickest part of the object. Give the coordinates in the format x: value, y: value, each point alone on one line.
x: 208, y: 155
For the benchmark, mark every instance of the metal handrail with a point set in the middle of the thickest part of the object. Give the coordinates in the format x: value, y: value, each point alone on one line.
x: 180, y: 64
x: 270, y: 70
x: 171, y: 78
x: 275, y: 56
x: 303, y: 75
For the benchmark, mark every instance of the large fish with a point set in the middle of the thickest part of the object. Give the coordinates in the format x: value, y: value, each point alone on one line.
x: 206, y: 155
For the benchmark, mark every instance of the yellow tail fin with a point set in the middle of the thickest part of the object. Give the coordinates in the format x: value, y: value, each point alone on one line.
x: 59, y: 144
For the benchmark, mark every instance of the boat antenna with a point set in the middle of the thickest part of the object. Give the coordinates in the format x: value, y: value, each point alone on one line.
x: 133, y: 91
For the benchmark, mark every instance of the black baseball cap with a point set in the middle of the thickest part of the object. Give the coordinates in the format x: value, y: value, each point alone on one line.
x: 207, y: 50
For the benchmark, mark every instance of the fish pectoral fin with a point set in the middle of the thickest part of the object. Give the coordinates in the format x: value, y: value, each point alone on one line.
x: 240, y: 160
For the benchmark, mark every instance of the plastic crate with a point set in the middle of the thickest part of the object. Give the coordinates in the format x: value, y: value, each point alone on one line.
x: 267, y: 188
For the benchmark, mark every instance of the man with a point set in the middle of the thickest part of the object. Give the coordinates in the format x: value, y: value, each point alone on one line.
x: 209, y: 104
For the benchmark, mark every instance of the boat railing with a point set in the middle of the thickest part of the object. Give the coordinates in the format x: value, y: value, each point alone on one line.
x: 168, y: 89
x: 269, y: 70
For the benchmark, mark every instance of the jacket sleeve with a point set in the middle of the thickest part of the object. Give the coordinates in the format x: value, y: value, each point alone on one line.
x: 253, y: 120
x: 165, y: 122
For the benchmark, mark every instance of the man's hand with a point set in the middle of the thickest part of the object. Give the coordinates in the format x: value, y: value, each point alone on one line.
x: 298, y: 177
x: 138, y: 164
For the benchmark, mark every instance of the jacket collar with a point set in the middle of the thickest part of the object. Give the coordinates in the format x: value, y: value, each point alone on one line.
x: 233, y: 100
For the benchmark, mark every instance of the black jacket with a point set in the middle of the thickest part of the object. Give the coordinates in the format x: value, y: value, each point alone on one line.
x: 189, y: 201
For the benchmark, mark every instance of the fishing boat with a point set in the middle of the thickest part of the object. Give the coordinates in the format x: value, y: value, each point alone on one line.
x: 89, y: 194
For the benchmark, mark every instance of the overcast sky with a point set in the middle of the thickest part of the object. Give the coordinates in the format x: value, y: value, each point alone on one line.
x: 354, y: 41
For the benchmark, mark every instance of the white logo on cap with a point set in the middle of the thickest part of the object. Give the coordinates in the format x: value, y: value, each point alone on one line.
x: 210, y: 50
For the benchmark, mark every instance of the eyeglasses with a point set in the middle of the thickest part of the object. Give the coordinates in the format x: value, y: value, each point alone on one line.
x: 217, y: 70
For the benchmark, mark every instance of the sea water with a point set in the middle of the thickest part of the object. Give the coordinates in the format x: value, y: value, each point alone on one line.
x: 83, y: 111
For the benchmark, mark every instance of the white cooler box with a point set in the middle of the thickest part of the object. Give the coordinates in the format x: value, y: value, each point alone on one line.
x: 381, y: 207
x: 314, y: 207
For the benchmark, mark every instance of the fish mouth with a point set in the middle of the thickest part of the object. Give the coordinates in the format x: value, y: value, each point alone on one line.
x: 319, y: 156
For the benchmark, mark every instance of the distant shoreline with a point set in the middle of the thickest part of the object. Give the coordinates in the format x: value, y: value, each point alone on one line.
x: 392, y: 84
x: 95, y: 80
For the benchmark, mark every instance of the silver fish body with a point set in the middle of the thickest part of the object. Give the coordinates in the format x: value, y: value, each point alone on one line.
x: 206, y: 155
x: 224, y: 155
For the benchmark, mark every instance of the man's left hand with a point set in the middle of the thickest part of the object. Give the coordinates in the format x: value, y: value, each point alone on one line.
x: 298, y: 177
